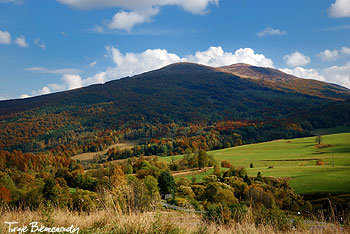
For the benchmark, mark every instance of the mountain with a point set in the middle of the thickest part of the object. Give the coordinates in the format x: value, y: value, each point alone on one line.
x: 182, y: 93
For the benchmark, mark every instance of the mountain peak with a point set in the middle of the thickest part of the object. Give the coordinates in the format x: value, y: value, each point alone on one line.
x: 185, y: 66
x: 257, y: 73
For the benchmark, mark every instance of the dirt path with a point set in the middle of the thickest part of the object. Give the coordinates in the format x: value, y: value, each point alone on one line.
x: 191, y: 171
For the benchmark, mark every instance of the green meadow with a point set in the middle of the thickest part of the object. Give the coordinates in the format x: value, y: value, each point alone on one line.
x: 295, y: 159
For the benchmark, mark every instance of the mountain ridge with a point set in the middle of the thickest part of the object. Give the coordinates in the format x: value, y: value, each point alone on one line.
x: 185, y: 94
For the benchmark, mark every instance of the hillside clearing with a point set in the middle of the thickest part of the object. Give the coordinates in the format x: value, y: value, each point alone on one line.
x: 90, y: 156
x: 295, y: 159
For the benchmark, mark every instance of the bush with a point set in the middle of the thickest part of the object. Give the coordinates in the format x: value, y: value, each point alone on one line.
x: 84, y: 200
x: 238, y: 212
x: 235, y: 171
x: 226, y: 164
x: 273, y: 217
x: 218, y: 213
x: 256, y: 194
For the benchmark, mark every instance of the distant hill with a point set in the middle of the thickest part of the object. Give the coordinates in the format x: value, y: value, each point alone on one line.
x: 182, y: 93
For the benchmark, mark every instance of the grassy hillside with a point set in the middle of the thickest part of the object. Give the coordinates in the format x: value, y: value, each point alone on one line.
x: 296, y: 159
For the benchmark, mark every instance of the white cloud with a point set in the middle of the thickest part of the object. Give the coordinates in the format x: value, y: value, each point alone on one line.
x: 216, y: 57
x: 72, y: 81
x: 5, y: 37
x: 194, y: 6
x: 136, y: 63
x: 127, y: 20
x: 338, y: 75
x: 54, y: 71
x: 339, y: 9
x: 271, y: 32
x: 329, y: 55
x: 304, y: 73
x: 98, y: 29
x: 345, y: 51
x: 43, y: 91
x: 296, y: 59
x: 21, y: 41
x: 92, y: 64
x: 40, y: 43
x: 134, y: 12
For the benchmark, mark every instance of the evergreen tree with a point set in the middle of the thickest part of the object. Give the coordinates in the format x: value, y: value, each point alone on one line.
x: 166, y: 183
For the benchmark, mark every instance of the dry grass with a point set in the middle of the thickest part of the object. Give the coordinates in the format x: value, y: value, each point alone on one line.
x: 90, y: 156
x: 109, y: 221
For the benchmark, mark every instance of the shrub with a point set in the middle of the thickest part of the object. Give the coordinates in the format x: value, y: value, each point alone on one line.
x: 218, y: 213
x: 226, y: 164
x: 84, y: 200
x: 238, y: 212
x: 273, y: 217
x: 5, y: 195
x: 185, y: 191
x: 235, y: 171
x: 256, y: 194
x: 182, y: 202
x: 225, y: 196
x: 198, y: 190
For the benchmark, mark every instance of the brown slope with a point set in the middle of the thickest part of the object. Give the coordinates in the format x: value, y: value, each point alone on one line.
x: 279, y: 80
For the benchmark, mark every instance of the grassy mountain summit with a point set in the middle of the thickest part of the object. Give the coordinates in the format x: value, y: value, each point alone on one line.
x: 279, y: 80
x: 182, y: 93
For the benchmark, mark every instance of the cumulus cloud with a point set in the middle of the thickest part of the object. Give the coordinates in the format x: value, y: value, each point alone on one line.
x: 5, y: 37
x: 136, y: 63
x: 40, y: 43
x: 304, y: 73
x: 92, y: 64
x: 271, y: 32
x: 328, y: 55
x: 127, y: 20
x: 339, y: 9
x: 338, y: 75
x: 194, y: 6
x: 216, y: 57
x: 345, y: 51
x: 54, y: 71
x: 296, y: 59
x: 21, y: 41
x: 136, y: 12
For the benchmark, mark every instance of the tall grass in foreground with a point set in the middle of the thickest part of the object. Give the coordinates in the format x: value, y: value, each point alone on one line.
x: 109, y: 221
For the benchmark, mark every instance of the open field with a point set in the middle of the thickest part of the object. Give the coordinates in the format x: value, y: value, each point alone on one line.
x: 295, y: 159
x: 90, y: 156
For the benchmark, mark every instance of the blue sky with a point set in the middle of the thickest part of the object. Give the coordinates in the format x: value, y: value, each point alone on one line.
x: 54, y: 45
